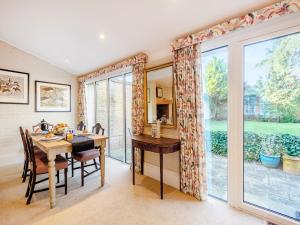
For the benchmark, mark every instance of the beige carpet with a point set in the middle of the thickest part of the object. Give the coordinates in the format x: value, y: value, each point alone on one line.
x: 118, y: 202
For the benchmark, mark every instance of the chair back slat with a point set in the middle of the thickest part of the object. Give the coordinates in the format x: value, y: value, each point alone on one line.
x: 25, y: 146
x: 96, y: 129
x: 81, y: 126
x: 31, y: 149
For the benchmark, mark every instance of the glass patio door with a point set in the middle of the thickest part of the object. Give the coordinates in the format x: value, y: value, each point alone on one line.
x: 215, y: 72
x: 272, y: 124
x: 113, y: 112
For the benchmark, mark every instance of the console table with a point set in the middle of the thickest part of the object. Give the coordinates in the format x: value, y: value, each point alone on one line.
x: 157, y: 145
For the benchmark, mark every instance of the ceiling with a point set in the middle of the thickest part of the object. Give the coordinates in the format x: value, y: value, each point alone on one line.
x: 80, y: 36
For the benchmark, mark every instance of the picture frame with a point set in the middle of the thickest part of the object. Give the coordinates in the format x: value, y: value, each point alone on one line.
x: 52, y: 97
x: 14, y: 87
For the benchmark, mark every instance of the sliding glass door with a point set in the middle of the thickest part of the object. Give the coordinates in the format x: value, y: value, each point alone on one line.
x: 214, y: 71
x: 116, y: 118
x: 251, y: 96
x: 272, y: 124
x: 109, y: 103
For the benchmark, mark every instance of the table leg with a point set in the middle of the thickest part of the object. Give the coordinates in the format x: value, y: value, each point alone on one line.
x: 102, y: 163
x: 161, y: 175
x: 142, y: 162
x: 133, y: 166
x: 51, y: 172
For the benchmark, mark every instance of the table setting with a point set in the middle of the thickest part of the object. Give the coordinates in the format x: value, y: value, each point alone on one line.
x: 60, y: 139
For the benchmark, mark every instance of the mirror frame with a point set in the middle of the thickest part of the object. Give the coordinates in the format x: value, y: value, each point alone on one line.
x: 174, y: 125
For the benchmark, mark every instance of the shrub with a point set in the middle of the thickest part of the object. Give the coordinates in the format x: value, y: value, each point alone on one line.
x: 255, y: 143
x: 291, y: 144
x: 219, y: 142
x: 252, y: 146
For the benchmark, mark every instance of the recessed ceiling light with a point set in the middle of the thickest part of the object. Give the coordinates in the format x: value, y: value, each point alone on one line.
x: 102, y: 36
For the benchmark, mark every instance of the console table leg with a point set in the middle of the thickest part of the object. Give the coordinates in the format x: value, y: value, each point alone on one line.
x: 133, y: 165
x: 142, y: 162
x: 161, y: 175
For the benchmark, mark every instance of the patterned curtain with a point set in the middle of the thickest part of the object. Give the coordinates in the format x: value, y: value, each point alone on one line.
x: 187, y: 81
x: 134, y: 61
x: 278, y: 9
x: 138, y: 107
x: 81, y: 102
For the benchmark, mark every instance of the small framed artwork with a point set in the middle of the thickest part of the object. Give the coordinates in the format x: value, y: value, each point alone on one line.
x: 14, y: 87
x: 159, y: 92
x: 52, y: 97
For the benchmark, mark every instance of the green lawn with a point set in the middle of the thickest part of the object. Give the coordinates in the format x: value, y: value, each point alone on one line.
x: 261, y: 127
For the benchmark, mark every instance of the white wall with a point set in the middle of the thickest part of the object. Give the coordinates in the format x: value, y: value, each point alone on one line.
x: 12, y: 116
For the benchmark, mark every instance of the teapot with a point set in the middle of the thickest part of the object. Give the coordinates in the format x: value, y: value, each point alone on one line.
x: 44, y: 125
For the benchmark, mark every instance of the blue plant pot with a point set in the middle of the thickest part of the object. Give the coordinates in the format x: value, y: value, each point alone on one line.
x: 269, y: 161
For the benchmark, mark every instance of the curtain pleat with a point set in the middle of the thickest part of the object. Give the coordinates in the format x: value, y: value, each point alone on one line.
x: 187, y: 81
x: 138, y: 107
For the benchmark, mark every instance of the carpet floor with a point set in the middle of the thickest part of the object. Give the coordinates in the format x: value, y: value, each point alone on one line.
x: 117, y: 203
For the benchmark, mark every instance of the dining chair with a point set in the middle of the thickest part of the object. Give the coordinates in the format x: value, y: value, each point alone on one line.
x: 81, y: 126
x: 97, y: 128
x: 37, y: 151
x: 83, y: 157
x: 39, y: 166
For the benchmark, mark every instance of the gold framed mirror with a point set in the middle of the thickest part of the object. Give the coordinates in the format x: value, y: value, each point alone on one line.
x: 159, y: 95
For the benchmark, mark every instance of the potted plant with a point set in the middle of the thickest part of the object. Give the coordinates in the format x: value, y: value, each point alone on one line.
x: 272, y: 148
x: 291, y: 158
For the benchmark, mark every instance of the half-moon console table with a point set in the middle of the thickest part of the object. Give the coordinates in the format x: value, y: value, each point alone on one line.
x: 157, y: 145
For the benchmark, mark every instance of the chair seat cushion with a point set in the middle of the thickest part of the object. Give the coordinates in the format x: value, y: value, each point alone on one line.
x: 86, y: 155
x: 42, y: 164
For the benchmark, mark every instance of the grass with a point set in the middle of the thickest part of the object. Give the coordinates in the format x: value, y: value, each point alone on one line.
x: 261, y: 127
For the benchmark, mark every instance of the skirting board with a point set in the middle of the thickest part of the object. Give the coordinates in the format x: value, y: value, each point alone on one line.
x: 170, y: 177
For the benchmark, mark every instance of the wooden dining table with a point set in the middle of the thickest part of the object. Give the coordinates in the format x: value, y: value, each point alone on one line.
x: 53, y: 148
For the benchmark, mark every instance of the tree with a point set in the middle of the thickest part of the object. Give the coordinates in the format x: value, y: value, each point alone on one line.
x: 281, y: 85
x: 215, y: 77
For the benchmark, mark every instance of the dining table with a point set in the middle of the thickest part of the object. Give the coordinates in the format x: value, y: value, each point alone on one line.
x: 54, y: 148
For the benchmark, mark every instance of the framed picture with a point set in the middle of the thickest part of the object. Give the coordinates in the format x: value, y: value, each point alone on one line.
x: 14, y: 87
x: 52, y: 97
x: 159, y: 92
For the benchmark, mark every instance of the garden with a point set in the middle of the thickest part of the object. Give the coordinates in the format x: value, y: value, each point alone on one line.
x: 265, y: 142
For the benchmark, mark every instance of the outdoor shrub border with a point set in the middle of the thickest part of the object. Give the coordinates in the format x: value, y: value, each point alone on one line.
x: 216, y: 141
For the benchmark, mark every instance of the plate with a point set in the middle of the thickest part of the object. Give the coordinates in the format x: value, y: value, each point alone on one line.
x: 52, y: 139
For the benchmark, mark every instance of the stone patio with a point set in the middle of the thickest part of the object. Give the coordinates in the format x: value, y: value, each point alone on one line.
x: 269, y: 188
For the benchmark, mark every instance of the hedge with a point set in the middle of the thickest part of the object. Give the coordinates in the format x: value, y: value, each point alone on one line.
x: 216, y: 141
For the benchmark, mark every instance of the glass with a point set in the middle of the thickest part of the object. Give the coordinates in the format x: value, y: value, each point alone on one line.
x: 101, y: 104
x: 90, y: 105
x: 215, y: 89
x: 271, y: 124
x: 116, y: 118
x: 128, y: 105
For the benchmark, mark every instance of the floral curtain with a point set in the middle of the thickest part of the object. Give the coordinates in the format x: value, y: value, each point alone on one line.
x: 140, y: 58
x: 187, y: 81
x: 277, y: 9
x: 138, y: 107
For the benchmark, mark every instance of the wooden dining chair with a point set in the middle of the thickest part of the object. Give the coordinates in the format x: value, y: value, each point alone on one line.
x: 37, y: 151
x: 39, y: 166
x: 83, y: 157
x: 97, y: 128
x: 81, y: 126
